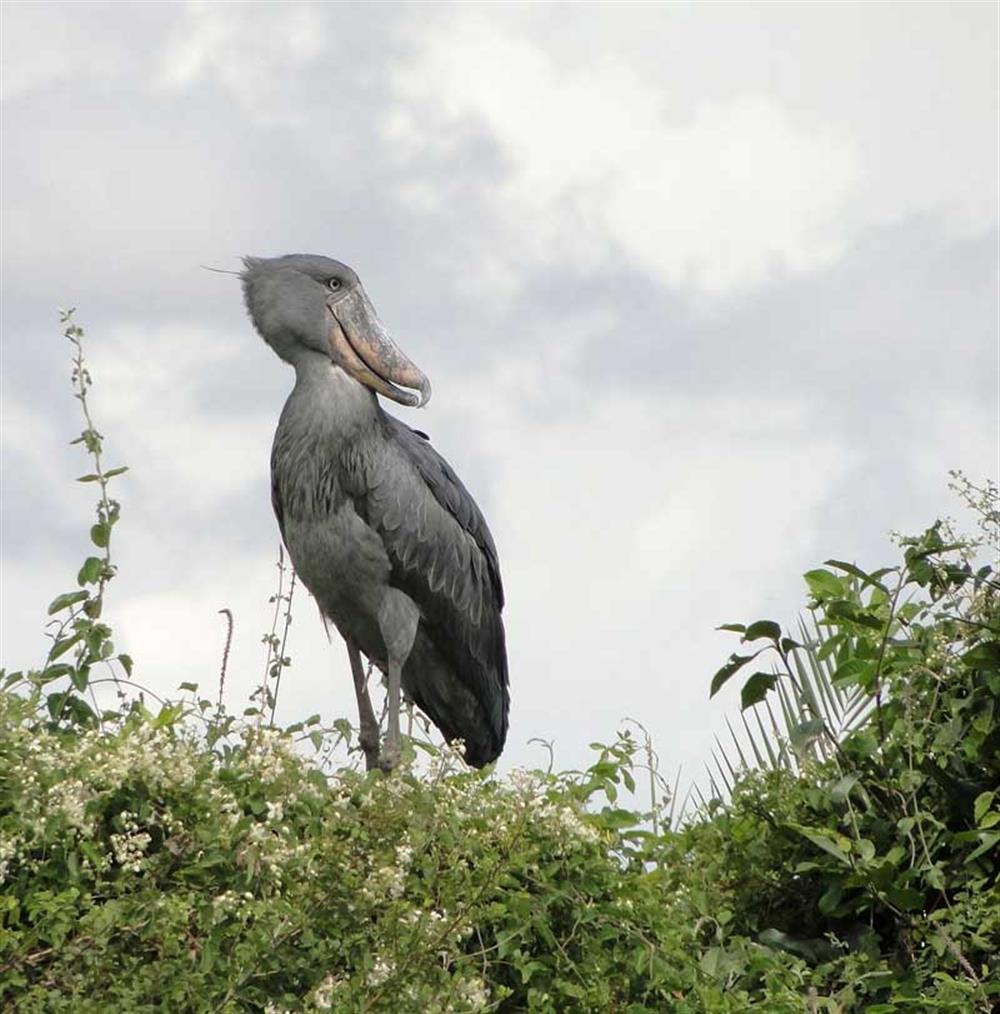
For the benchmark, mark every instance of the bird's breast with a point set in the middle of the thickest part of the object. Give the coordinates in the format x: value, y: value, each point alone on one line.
x: 344, y: 564
x: 336, y: 554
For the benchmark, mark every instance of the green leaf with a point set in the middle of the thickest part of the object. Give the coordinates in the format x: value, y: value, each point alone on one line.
x: 842, y: 789
x: 90, y: 572
x: 60, y: 602
x: 54, y: 672
x: 989, y: 841
x: 763, y: 628
x: 193, y: 687
x: 167, y: 715
x: 736, y: 628
x: 618, y: 819
x: 91, y: 477
x: 856, y: 571
x: 848, y: 611
x: 829, y: 647
x: 982, y: 805
x: 112, y: 472
x: 830, y: 842
x: 63, y: 645
x: 99, y: 534
x: 805, y: 733
x: 830, y: 898
x: 855, y: 670
x: 823, y: 584
x: 905, y: 898
x: 756, y: 689
x: 935, y: 877
x: 70, y: 706
x: 864, y: 742
x: 865, y: 849
x: 813, y: 949
x: 80, y: 677
x: 709, y: 962
x: 505, y: 941
x: 730, y: 669
x: 126, y: 663
x: 986, y: 653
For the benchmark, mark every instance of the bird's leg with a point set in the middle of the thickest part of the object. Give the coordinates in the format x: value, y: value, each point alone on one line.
x: 368, y: 731
x: 398, y: 617
x: 392, y: 750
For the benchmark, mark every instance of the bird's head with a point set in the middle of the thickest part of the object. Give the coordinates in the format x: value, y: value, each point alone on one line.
x: 305, y: 303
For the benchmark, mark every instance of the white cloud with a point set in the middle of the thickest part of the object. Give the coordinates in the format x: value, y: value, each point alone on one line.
x: 182, y: 454
x: 29, y: 432
x: 723, y: 199
x: 249, y: 49
x: 45, y: 44
x: 627, y: 532
x: 952, y: 435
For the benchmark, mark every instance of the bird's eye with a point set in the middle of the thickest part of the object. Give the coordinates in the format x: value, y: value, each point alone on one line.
x: 334, y: 284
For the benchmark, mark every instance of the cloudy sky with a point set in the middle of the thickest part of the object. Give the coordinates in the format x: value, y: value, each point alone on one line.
x: 707, y: 294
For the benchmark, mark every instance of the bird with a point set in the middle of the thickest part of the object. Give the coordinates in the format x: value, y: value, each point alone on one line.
x: 378, y: 526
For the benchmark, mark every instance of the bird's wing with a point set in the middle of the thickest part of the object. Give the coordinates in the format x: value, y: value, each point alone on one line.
x: 444, y: 558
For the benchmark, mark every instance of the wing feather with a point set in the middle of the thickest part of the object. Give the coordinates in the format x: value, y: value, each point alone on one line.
x: 443, y: 556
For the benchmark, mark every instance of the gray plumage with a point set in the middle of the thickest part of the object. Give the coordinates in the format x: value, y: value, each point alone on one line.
x: 378, y: 526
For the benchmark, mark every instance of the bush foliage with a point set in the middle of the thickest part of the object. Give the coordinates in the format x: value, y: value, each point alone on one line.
x: 178, y: 858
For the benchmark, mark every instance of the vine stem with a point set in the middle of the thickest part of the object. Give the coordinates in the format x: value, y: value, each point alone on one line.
x: 881, y: 656
x: 228, y: 613
x: 92, y: 442
x: 280, y: 663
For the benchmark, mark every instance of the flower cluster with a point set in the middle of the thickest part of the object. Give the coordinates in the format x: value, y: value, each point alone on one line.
x: 473, y: 994
x: 269, y: 754
x: 128, y: 847
x: 324, y: 994
x: 381, y: 971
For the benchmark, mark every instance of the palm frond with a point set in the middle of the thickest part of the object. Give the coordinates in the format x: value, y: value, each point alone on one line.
x: 806, y: 697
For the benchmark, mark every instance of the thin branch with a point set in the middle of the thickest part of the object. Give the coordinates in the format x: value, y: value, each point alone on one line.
x: 225, y: 651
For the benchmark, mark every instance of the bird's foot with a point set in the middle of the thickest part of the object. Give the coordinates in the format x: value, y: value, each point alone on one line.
x: 389, y: 758
x: 369, y: 747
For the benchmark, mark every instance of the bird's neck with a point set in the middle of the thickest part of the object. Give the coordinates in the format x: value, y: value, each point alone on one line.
x: 326, y: 401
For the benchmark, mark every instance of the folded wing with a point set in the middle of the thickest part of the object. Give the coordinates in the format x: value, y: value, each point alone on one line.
x: 444, y: 558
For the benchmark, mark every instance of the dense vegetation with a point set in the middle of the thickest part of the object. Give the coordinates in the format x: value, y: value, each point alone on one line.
x: 179, y: 858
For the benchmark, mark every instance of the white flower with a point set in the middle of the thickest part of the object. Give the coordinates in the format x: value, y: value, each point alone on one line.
x: 395, y: 881
x: 474, y: 993
x: 8, y: 850
x: 380, y: 972
x: 323, y: 993
x: 129, y: 848
x: 70, y: 798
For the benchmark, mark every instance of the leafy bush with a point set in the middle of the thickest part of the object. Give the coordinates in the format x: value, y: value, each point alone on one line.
x: 182, y: 859
x: 891, y: 845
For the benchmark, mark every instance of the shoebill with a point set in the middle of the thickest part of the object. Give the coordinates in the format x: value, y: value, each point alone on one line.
x: 378, y: 526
